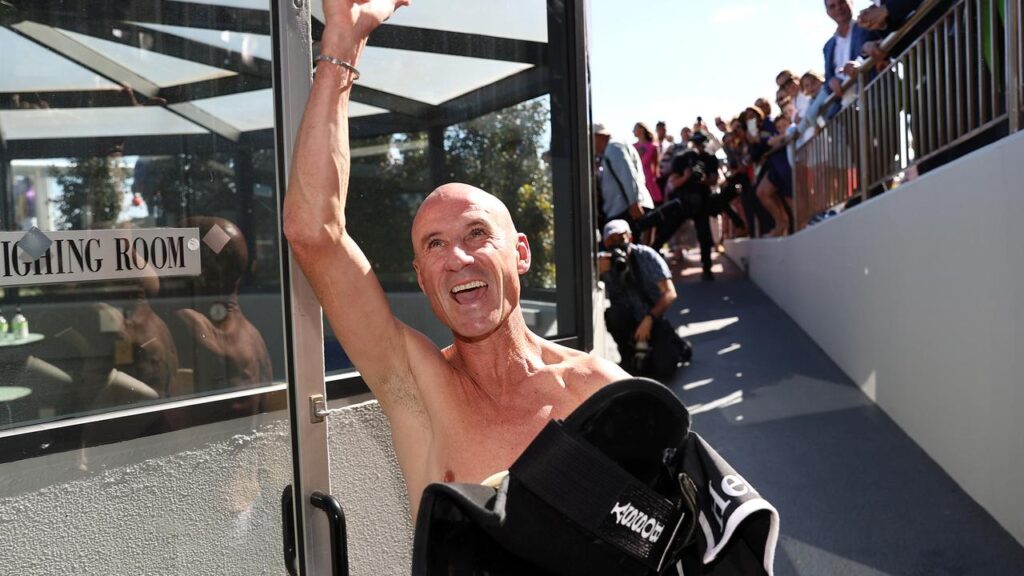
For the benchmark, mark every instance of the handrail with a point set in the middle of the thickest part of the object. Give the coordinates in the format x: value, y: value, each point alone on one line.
x: 865, y: 67
x: 953, y: 86
x: 886, y: 45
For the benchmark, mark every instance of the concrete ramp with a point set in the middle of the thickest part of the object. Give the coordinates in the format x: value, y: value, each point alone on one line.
x: 856, y: 495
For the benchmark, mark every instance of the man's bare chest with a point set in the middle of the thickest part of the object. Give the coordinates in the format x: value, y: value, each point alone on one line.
x: 480, y: 441
x: 473, y: 453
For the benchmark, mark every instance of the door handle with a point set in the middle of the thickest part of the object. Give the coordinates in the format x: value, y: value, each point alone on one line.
x: 288, y: 529
x: 339, y: 536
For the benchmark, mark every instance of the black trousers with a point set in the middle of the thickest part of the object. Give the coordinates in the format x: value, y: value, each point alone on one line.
x: 620, y: 324
x: 674, y: 213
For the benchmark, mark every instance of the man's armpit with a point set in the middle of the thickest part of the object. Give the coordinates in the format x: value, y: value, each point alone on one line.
x: 399, y: 392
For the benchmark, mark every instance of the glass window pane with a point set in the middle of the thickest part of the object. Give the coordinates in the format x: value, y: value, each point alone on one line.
x: 464, y: 98
x: 145, y: 132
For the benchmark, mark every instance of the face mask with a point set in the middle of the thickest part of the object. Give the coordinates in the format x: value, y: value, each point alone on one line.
x: 752, y: 125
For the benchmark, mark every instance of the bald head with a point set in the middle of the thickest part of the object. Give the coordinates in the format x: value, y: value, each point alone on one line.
x: 456, y: 198
x: 465, y: 243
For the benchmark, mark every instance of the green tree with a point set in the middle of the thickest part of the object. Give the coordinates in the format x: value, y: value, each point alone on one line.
x: 182, y: 185
x: 501, y: 153
x: 385, y: 191
x: 92, y: 191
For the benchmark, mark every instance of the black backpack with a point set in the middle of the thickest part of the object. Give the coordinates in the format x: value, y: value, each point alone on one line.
x: 621, y: 487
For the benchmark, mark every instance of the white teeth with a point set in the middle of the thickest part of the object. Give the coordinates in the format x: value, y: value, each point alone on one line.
x: 468, y: 286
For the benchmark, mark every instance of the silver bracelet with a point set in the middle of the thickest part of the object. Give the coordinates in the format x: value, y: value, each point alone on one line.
x: 331, y: 59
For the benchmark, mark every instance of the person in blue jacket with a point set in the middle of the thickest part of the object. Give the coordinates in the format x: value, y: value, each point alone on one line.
x: 844, y: 47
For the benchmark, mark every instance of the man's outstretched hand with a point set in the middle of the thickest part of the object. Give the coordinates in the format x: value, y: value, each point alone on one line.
x: 873, y: 18
x: 353, y: 20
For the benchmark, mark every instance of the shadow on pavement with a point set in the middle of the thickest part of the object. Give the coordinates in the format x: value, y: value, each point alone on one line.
x: 855, y: 494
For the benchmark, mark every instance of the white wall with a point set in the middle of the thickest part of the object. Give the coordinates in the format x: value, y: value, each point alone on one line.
x: 366, y: 478
x: 918, y: 295
x: 203, y: 501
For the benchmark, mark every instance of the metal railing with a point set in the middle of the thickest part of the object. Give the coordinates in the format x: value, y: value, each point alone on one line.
x: 825, y: 170
x: 959, y: 83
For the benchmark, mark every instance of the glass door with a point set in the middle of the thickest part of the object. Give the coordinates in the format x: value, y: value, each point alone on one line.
x: 163, y: 385
x: 151, y: 320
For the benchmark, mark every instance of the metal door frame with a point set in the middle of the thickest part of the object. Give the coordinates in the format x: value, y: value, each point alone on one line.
x: 292, y: 46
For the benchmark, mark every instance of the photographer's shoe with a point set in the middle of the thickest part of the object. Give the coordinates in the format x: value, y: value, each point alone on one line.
x: 707, y: 276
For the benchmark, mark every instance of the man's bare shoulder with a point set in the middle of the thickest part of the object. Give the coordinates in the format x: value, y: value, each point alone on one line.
x: 586, y: 370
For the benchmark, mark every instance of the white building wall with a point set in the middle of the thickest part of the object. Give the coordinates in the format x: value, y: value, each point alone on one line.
x: 918, y: 295
x: 366, y: 479
x: 205, y: 501
x: 202, y: 501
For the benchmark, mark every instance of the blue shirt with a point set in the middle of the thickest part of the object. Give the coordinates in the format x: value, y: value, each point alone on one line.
x: 648, y: 268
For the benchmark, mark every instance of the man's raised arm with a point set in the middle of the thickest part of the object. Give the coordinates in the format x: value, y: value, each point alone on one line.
x: 314, y: 212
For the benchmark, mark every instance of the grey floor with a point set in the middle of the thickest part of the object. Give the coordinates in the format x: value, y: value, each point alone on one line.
x: 856, y: 495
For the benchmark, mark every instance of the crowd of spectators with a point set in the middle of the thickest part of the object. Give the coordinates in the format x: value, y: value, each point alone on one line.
x: 739, y: 169
x: 738, y: 172
x: 754, y: 178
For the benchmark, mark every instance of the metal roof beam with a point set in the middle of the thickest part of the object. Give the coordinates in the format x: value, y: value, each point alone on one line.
x: 136, y: 145
x: 521, y: 87
x: 82, y: 55
x: 172, y: 94
x: 167, y: 44
x: 453, y: 43
x: 164, y: 12
x: 389, y: 101
x: 460, y: 44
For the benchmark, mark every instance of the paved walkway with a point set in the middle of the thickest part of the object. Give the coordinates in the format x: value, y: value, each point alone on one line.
x: 855, y: 494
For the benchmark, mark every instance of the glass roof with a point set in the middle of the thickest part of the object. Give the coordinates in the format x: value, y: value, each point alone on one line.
x: 244, y: 43
x: 95, y: 59
x: 250, y: 4
x: 160, y: 69
x: 418, y: 75
x: 255, y: 110
x: 516, y: 19
x: 36, y: 69
x: 93, y: 123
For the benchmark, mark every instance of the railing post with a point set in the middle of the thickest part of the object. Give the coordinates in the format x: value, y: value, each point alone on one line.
x: 797, y: 183
x: 1013, y: 71
x: 862, y: 131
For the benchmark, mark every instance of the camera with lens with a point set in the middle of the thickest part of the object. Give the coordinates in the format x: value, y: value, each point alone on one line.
x: 640, y: 352
x: 699, y: 171
x: 619, y: 261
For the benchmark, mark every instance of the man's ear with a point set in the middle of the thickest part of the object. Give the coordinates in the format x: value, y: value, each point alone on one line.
x: 419, y: 279
x: 523, y: 251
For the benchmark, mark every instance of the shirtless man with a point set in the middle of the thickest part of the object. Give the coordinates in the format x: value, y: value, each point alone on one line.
x: 458, y: 414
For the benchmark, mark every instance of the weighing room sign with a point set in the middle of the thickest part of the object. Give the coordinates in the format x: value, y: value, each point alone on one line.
x: 37, y: 257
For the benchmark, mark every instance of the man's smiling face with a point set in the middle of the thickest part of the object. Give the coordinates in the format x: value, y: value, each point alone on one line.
x: 468, y: 259
x: 841, y: 11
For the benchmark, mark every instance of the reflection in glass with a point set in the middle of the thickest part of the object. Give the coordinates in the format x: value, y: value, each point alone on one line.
x: 140, y: 115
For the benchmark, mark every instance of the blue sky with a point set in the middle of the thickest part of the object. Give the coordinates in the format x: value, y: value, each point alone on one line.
x: 641, y: 70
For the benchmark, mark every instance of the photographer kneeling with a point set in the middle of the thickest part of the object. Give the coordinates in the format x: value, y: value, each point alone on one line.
x: 640, y: 290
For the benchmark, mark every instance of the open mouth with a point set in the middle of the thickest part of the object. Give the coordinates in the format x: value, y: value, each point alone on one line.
x: 469, y: 292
